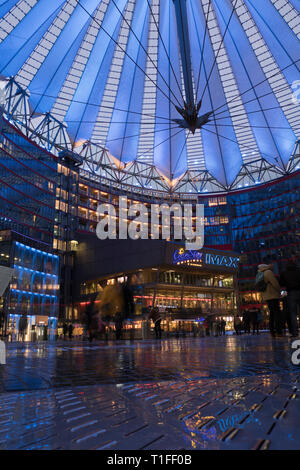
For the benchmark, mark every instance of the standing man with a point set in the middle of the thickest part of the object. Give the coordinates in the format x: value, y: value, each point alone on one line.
x: 271, y: 295
x: 290, y: 279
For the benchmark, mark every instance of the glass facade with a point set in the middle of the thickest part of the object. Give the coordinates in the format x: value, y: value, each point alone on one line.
x: 28, y: 178
x: 46, y: 200
x: 35, y: 285
x: 38, y: 206
x: 265, y: 226
x: 208, y: 293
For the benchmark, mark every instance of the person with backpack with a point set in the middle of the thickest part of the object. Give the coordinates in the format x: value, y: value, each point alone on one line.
x: 267, y: 284
x: 290, y: 280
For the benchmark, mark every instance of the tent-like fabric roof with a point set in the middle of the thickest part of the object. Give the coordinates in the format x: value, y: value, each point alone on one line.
x: 120, y: 73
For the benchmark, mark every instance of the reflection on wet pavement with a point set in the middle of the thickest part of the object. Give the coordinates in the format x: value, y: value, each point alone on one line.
x: 190, y: 393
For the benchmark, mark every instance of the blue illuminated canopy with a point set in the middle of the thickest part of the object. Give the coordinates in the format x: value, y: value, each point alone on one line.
x: 183, y: 85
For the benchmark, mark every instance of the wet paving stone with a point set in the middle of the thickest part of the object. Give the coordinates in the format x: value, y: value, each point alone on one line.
x: 191, y: 393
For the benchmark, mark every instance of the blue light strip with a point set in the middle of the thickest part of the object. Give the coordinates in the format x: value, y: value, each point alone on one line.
x: 36, y: 250
x: 34, y: 293
x: 34, y: 271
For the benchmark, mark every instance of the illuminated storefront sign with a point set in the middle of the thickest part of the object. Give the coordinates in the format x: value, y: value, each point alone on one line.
x: 182, y: 255
x: 192, y: 257
x: 221, y: 260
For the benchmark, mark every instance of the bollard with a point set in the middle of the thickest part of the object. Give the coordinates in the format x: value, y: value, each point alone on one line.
x: 2, y: 352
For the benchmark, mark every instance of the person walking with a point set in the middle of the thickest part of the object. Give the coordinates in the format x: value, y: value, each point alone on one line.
x: 206, y: 327
x: 119, y: 318
x: 237, y: 325
x: 22, y: 327
x: 246, y: 322
x: 255, y: 318
x: 155, y: 316
x: 45, y: 332
x: 223, y: 327
x: 271, y: 294
x: 90, y: 318
x: 65, y: 330
x: 290, y: 280
x: 70, y: 331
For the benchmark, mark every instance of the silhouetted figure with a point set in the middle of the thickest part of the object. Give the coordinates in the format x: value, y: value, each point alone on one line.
x: 65, y: 330
x: 155, y: 316
x: 290, y: 279
x: 223, y: 327
x: 90, y: 318
x: 247, y: 322
x: 23, y: 326
x: 286, y: 321
x: 255, y: 318
x: 271, y: 295
x: 45, y: 332
x: 70, y: 331
x: 119, y: 318
x: 237, y: 325
x: 129, y: 305
x: 206, y: 327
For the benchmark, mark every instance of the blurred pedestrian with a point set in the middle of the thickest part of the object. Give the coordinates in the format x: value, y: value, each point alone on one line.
x: 271, y: 294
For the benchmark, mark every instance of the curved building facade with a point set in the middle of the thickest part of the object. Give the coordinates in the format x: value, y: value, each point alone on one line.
x: 48, y: 206
x: 150, y: 102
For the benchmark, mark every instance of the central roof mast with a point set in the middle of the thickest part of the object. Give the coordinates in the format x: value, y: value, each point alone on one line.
x: 191, y: 108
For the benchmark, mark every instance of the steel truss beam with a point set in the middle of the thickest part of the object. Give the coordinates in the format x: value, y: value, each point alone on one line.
x: 99, y: 165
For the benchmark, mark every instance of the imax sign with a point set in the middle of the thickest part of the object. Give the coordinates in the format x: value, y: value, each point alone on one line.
x: 220, y: 260
x: 182, y: 256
